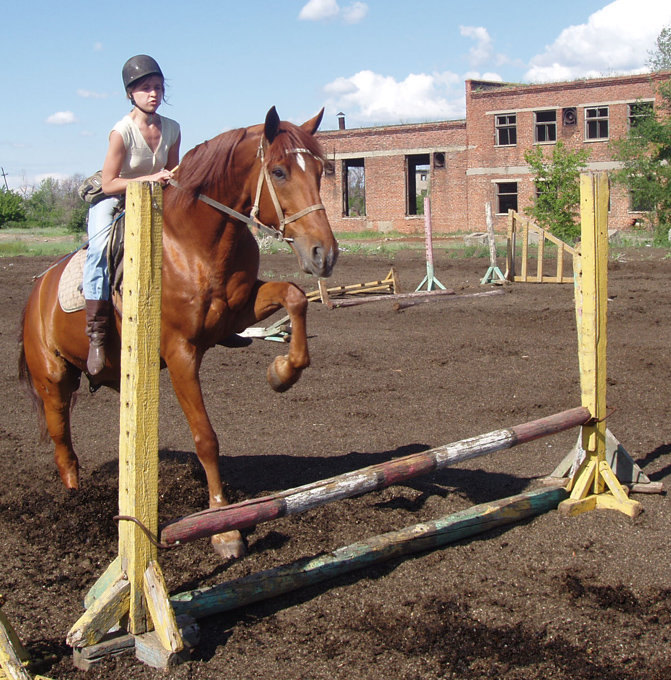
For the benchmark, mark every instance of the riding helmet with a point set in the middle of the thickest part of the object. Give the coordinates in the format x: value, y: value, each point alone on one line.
x: 138, y: 67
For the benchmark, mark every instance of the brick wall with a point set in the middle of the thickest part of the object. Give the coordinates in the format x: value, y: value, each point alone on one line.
x: 473, y: 163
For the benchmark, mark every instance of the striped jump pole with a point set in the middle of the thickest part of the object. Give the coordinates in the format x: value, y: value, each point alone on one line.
x: 292, y: 501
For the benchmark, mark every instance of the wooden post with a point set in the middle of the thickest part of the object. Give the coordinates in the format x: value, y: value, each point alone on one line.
x: 132, y: 588
x: 594, y: 485
x: 430, y: 280
x: 493, y: 274
x: 140, y: 366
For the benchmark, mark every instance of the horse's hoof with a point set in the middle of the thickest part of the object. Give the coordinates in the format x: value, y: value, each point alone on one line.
x: 281, y: 375
x: 229, y: 545
x: 70, y: 480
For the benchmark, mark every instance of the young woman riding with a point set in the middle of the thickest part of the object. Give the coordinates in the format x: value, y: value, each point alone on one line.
x: 143, y: 145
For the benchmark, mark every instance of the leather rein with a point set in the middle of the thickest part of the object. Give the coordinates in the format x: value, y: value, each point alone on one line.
x: 252, y: 220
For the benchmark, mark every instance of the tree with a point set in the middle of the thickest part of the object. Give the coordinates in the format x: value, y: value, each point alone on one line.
x: 12, y: 207
x: 557, y: 180
x: 645, y: 154
x: 660, y: 57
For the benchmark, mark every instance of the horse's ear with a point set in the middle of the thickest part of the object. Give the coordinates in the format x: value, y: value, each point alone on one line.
x: 312, y: 125
x: 272, y: 125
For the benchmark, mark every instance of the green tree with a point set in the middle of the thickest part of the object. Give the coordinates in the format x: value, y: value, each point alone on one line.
x: 56, y: 203
x: 12, y: 208
x: 645, y: 154
x: 557, y: 179
x: 660, y: 58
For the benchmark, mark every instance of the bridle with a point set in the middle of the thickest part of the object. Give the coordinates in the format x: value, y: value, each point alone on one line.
x: 252, y: 220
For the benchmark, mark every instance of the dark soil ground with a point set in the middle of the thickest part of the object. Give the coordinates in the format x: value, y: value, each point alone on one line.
x: 551, y: 598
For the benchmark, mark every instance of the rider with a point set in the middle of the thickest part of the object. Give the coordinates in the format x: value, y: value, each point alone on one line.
x: 143, y: 145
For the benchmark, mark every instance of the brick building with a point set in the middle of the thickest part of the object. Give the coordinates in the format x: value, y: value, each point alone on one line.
x: 375, y: 178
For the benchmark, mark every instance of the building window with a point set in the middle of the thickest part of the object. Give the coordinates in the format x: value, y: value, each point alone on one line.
x: 506, y: 129
x: 639, y: 203
x: 638, y: 112
x: 546, y: 126
x: 506, y: 197
x: 596, y: 122
x: 354, y: 187
x: 416, y: 182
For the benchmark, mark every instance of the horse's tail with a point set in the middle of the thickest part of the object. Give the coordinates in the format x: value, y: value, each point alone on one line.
x: 26, y: 379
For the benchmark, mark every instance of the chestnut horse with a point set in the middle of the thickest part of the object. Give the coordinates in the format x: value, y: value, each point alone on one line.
x: 210, y: 284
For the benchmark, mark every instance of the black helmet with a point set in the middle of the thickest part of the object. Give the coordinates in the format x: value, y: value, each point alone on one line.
x: 138, y: 67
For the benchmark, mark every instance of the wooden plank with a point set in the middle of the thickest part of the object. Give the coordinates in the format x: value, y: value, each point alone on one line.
x: 165, y: 622
x: 390, y: 297
x: 309, y: 496
x: 417, y: 538
x: 140, y: 365
x: 10, y: 649
x: 111, y: 574
x: 108, y: 609
x: 525, y: 249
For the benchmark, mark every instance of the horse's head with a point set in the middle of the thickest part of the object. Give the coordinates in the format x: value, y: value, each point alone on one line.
x: 287, y: 196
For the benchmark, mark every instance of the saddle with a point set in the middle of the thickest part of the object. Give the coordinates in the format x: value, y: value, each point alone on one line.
x: 71, y: 285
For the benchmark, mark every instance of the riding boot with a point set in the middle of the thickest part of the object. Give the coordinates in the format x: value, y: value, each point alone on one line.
x: 97, y: 320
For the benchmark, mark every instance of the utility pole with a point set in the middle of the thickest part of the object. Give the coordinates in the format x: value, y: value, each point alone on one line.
x: 4, y: 176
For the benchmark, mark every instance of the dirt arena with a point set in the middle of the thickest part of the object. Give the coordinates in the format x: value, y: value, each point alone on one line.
x: 552, y: 598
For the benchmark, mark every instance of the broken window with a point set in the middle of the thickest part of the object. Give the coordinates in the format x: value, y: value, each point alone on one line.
x: 354, y: 187
x: 596, y: 122
x: 546, y: 126
x: 417, y: 182
x: 638, y: 112
x: 506, y: 129
x: 506, y: 197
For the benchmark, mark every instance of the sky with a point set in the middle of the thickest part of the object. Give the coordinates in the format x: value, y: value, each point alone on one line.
x: 227, y: 62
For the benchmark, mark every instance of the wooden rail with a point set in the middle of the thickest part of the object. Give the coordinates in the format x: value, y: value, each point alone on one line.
x: 523, y: 227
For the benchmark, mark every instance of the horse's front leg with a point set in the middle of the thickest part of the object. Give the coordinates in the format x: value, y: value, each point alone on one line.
x: 184, y: 364
x: 270, y: 296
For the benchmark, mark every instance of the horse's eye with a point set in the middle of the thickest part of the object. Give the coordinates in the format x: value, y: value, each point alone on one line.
x: 279, y: 173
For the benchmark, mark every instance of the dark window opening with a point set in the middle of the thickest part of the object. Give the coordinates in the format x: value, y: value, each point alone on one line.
x: 417, y: 182
x: 546, y: 126
x: 354, y: 187
x: 506, y: 129
x: 438, y: 159
x: 596, y: 122
x: 639, y: 202
x: 506, y: 196
x: 638, y: 112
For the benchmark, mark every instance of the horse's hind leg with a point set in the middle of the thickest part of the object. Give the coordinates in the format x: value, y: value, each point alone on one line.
x: 54, y: 382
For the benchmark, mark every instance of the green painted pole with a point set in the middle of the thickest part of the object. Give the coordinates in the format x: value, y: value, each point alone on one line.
x: 417, y: 538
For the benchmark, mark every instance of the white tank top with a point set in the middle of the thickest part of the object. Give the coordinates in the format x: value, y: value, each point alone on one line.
x: 140, y: 159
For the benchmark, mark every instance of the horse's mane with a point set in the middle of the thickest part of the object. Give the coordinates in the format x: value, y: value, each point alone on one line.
x: 206, y: 165
x: 209, y: 164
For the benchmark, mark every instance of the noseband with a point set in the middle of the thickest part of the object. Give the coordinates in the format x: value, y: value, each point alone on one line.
x: 252, y: 220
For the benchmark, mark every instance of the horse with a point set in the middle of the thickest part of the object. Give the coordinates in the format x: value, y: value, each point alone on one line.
x: 211, y: 288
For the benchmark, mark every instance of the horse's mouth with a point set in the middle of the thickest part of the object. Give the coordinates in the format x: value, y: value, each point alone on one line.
x: 317, y: 260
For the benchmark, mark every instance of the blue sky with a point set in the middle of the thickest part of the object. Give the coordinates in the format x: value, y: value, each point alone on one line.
x: 228, y: 61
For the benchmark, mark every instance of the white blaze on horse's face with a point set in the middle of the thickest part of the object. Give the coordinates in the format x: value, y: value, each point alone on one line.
x: 301, y: 161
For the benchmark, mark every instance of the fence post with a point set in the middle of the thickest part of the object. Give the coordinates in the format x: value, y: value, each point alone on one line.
x: 594, y: 484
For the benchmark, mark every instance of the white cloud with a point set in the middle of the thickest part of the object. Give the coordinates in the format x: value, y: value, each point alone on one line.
x: 371, y: 98
x: 483, y: 49
x: 318, y: 10
x: 90, y: 94
x: 322, y: 10
x: 355, y: 12
x: 62, y: 118
x: 616, y: 39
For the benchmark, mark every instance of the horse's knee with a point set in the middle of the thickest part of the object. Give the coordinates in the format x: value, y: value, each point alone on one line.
x: 296, y: 302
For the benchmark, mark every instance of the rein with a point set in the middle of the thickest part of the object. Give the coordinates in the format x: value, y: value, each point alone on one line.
x: 252, y: 220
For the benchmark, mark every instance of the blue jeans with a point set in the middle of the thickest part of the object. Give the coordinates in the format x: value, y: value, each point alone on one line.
x: 96, y: 271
